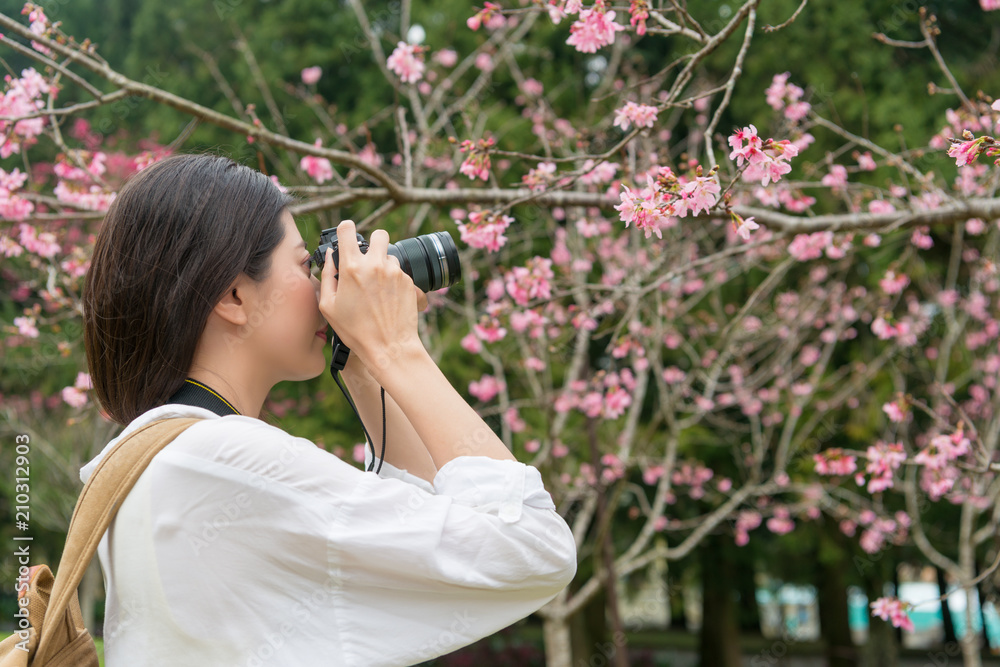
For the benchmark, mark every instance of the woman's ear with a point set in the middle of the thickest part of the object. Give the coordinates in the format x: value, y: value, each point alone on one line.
x: 233, y: 307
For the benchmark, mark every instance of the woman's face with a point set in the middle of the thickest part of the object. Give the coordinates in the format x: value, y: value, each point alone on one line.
x: 287, y: 329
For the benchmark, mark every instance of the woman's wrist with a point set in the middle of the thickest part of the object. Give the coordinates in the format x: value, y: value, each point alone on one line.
x: 399, y: 365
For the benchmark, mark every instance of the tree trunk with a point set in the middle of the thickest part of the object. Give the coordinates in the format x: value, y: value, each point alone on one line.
x: 720, y: 630
x: 949, y: 624
x: 558, y: 643
x: 834, y: 621
x: 746, y: 586
x: 589, y: 627
x: 616, y: 653
x: 675, y: 594
x: 971, y: 655
x: 882, y: 649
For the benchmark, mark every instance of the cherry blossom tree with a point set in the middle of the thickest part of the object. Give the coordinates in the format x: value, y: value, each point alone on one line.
x: 642, y: 283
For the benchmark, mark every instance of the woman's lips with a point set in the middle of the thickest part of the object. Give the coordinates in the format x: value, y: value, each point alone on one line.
x: 321, y: 334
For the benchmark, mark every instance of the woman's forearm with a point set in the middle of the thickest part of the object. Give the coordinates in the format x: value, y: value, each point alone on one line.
x: 404, y: 448
x: 447, y: 425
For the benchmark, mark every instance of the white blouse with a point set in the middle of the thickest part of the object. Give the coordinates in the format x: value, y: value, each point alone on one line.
x: 243, y: 545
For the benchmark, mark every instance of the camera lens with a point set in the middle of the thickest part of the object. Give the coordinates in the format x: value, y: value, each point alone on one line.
x: 430, y: 260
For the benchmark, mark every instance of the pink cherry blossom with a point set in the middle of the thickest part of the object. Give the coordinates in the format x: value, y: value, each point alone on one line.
x: 744, y: 226
x: 22, y: 97
x: 477, y: 164
x: 695, y: 196
x: 538, y: 179
x: 514, y: 421
x: 639, y: 11
x: 786, y: 97
x: 879, y: 206
x: 835, y: 461
x: 489, y: 330
x: 780, y: 525
x: 642, y: 115
x: 751, y: 152
x: 310, y: 75
x: 893, y: 283
x: 26, y: 326
x: 643, y: 212
x: 531, y: 281
x: 490, y: 15
x: 485, y: 230
x: 616, y: 401
x: 837, y: 178
x: 601, y: 173
x: 893, y: 610
x: 746, y: 521
x: 883, y: 459
x: 594, y: 29
x: 767, y: 161
x: 13, y: 206
x: 485, y: 388
x: 805, y: 247
x: 989, y: 5
x: 446, y: 57
x: 43, y: 245
x: 319, y: 168
x: 942, y: 450
x: 866, y: 162
x: 74, y: 397
x: 895, y: 412
x: 407, y: 62
x: 472, y: 343
x: 966, y: 152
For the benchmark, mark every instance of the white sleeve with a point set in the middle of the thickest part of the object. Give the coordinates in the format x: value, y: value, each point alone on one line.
x: 439, y: 571
x: 375, y: 571
x: 389, y: 471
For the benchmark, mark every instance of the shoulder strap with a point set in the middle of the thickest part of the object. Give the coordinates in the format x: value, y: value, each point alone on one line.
x: 104, y: 492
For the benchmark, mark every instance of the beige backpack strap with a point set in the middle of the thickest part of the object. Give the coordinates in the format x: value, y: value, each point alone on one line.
x: 115, y: 475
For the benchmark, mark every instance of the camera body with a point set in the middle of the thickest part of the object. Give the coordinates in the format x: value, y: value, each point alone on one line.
x: 431, y: 260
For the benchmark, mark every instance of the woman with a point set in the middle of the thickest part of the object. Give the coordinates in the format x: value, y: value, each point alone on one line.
x: 244, y: 545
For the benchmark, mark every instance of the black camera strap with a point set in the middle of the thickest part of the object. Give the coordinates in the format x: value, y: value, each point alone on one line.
x: 337, y: 363
x: 201, y: 395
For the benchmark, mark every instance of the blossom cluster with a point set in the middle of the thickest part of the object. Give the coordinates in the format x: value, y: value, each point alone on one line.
x: 22, y: 97
x: 531, y: 281
x: 665, y: 198
x: 491, y: 15
x: 12, y: 205
x: 835, y: 461
x: 970, y: 148
x: 606, y: 396
x: 643, y: 115
x: 485, y: 230
x: 80, y: 185
x: 318, y: 168
x: 477, y: 164
x: 594, y: 29
x: 883, y: 460
x: 76, y: 395
x: 407, y: 62
x: 767, y: 160
x: 893, y: 610
x: 787, y: 98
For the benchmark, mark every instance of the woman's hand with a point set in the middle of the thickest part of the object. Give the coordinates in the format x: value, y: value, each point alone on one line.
x: 373, y: 304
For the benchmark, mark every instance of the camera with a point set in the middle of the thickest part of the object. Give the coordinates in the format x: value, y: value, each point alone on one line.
x: 431, y: 260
